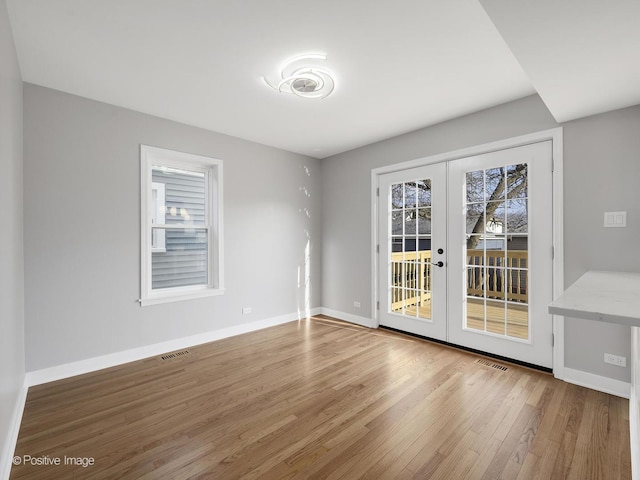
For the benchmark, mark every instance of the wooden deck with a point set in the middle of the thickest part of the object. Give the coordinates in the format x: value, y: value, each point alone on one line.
x: 323, y: 400
x: 516, y: 325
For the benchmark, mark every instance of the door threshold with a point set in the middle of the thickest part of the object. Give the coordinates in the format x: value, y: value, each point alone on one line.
x: 472, y: 350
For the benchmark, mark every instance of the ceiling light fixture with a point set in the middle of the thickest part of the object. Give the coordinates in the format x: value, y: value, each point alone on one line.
x: 302, y: 76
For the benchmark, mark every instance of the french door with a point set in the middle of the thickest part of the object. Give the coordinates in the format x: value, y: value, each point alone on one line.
x: 465, y: 252
x: 413, y: 224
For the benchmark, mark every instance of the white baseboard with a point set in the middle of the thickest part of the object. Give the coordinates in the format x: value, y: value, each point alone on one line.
x: 12, y: 435
x: 597, y: 382
x: 80, y: 367
x: 347, y: 317
x: 634, y: 430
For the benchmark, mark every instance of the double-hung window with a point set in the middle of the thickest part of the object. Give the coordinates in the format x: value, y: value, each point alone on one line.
x: 181, y: 226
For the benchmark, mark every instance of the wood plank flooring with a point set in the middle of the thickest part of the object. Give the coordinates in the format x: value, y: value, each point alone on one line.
x: 320, y: 399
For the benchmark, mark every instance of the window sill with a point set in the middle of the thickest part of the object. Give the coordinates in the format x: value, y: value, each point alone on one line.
x: 178, y: 297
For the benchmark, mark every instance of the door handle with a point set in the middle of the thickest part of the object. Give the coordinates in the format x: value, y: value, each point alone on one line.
x: 439, y: 264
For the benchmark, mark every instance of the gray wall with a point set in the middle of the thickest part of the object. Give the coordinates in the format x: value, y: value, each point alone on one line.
x: 12, y: 365
x: 82, y: 230
x: 602, y: 164
x: 602, y: 173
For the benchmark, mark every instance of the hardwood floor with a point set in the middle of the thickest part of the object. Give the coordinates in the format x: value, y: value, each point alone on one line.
x: 321, y: 399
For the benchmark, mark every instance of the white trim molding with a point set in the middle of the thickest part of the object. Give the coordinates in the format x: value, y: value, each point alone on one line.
x: 634, y: 403
x: 80, y: 367
x: 597, y: 382
x: 634, y: 423
x: 6, y: 459
x: 558, y: 248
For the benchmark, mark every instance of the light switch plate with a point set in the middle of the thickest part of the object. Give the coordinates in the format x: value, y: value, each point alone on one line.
x: 615, y: 219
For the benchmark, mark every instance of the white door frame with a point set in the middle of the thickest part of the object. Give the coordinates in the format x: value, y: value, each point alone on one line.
x: 555, y: 135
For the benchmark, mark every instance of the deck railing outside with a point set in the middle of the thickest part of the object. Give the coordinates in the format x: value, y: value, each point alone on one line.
x: 502, y: 278
x: 411, y: 270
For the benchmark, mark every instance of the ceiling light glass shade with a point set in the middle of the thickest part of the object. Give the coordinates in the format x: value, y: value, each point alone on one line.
x: 303, y: 77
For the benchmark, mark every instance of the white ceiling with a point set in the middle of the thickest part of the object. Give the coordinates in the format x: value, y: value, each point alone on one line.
x: 399, y: 65
x: 582, y: 56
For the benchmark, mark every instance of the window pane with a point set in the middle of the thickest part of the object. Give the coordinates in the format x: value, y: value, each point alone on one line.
x: 396, y: 244
x: 495, y: 217
x: 475, y: 281
x: 494, y: 184
x: 517, y: 216
x: 396, y: 299
x: 495, y: 317
x: 518, y: 252
x: 424, y: 245
x: 475, y: 313
x: 424, y: 221
x: 495, y: 283
x: 396, y: 223
x: 517, y: 286
x: 410, y: 222
x: 396, y: 196
x: 424, y: 193
x: 185, y: 260
x: 518, y: 321
x: 495, y: 251
x: 475, y: 186
x: 517, y: 181
x: 184, y: 195
x: 475, y: 218
x: 410, y: 195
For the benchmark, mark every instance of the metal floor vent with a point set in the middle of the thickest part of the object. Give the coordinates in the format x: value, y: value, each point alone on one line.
x: 488, y: 363
x: 169, y: 356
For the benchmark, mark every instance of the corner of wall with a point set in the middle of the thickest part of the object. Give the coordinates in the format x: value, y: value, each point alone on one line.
x: 12, y: 345
x: 597, y: 382
x: 6, y: 460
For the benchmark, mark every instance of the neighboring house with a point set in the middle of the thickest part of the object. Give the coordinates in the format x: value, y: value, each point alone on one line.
x: 179, y: 256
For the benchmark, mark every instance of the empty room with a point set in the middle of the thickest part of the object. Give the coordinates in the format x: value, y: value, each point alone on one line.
x: 338, y: 240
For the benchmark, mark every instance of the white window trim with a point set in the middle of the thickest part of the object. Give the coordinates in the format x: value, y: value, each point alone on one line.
x: 212, y: 167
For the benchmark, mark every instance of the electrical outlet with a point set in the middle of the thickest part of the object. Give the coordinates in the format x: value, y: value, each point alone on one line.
x: 246, y: 310
x: 615, y: 360
x: 356, y: 304
x: 615, y: 219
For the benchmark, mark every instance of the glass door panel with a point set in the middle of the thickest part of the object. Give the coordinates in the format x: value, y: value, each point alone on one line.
x: 496, y: 220
x: 412, y: 210
x: 504, y: 234
x: 410, y: 278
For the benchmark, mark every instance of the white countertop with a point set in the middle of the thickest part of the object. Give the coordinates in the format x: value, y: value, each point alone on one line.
x: 612, y: 297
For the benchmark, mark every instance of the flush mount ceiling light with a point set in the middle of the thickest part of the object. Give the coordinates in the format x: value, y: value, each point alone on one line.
x: 305, y: 77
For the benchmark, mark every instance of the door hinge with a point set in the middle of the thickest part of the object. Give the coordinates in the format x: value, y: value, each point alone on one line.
x: 378, y: 192
x: 553, y: 252
x: 553, y: 340
x: 378, y: 305
x: 377, y: 248
x: 553, y: 164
